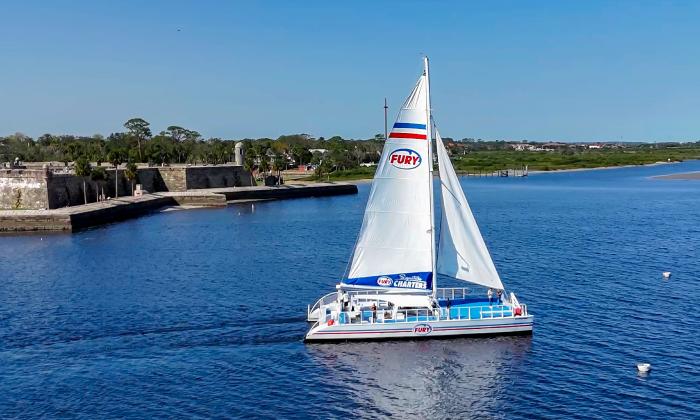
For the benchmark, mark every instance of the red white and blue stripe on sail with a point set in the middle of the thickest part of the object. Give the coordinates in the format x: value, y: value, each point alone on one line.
x: 404, y: 130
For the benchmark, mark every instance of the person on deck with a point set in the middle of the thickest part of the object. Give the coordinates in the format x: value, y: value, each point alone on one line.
x: 499, y: 293
x: 490, y: 295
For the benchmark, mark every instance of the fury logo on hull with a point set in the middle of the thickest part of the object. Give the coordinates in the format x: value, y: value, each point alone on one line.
x: 405, y: 159
x: 422, y: 329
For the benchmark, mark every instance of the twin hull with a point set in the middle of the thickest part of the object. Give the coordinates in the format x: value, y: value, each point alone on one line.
x: 418, y: 329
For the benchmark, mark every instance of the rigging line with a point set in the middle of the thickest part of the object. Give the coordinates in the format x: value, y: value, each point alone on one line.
x: 451, y: 193
x: 442, y: 198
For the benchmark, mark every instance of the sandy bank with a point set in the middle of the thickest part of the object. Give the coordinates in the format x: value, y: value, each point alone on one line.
x: 684, y: 176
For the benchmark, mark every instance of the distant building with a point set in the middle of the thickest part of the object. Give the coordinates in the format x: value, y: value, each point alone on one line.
x: 321, y: 151
x: 554, y: 146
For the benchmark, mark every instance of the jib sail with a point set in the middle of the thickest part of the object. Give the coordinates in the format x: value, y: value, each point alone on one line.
x: 462, y: 253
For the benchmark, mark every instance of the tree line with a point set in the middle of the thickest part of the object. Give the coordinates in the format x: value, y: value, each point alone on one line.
x: 180, y: 145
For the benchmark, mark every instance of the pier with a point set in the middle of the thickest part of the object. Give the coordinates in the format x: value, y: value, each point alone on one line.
x: 510, y: 172
x: 75, y: 218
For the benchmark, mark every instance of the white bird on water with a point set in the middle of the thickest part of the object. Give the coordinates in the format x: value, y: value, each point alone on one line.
x: 643, y: 367
x: 666, y: 274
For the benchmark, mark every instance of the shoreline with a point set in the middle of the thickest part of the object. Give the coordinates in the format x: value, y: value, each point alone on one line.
x: 539, y: 172
x: 600, y: 168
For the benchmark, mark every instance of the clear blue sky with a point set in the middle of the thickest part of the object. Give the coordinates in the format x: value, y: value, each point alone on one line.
x: 559, y: 70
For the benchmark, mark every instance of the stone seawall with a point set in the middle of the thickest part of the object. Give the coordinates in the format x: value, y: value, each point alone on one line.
x: 118, y: 211
x: 94, y: 214
x: 197, y: 199
x: 35, y: 222
x: 286, y: 191
x: 80, y: 217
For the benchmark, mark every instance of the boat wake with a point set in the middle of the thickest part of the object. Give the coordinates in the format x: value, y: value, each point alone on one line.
x: 236, y: 332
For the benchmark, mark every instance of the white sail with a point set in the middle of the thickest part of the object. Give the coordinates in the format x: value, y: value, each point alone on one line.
x: 462, y: 253
x: 394, y: 247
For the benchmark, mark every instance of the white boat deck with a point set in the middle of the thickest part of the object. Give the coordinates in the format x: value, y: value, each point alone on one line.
x: 372, y: 308
x: 468, y: 311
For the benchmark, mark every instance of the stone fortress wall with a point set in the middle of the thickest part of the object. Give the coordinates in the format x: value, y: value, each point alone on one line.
x: 23, y: 189
x: 34, y: 189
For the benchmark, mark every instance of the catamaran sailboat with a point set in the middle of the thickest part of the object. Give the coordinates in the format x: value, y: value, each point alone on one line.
x: 390, y: 288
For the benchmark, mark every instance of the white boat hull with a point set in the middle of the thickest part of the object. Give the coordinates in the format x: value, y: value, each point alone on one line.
x: 421, y: 329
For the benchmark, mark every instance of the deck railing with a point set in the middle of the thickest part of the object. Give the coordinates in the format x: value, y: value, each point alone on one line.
x: 452, y: 293
x: 385, y: 316
x: 325, y: 300
x: 441, y: 293
x: 491, y: 311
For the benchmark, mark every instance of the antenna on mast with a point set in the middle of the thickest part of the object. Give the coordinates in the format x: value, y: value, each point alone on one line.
x: 386, y: 133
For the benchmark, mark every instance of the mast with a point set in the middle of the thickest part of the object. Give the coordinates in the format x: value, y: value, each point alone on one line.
x: 386, y: 131
x: 430, y: 173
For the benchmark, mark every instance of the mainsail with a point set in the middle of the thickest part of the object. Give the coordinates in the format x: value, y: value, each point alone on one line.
x: 394, y: 247
x: 462, y: 253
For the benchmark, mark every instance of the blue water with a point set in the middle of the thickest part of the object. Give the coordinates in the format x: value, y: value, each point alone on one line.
x: 201, y: 313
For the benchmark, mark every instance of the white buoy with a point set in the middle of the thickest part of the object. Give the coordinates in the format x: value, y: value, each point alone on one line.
x: 643, y: 367
x: 666, y: 274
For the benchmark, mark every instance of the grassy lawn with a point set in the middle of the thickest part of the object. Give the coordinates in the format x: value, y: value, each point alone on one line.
x: 543, y: 161
x: 548, y: 161
x: 348, y: 174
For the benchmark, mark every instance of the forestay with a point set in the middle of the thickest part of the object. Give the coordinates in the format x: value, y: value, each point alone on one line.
x: 462, y: 253
x: 394, y: 247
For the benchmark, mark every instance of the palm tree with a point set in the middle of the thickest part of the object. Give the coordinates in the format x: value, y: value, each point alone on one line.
x: 279, y: 164
x: 116, y: 157
x: 98, y: 174
x: 83, y: 169
x: 323, y: 167
x: 131, y: 174
x: 248, y: 164
x: 264, y: 164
